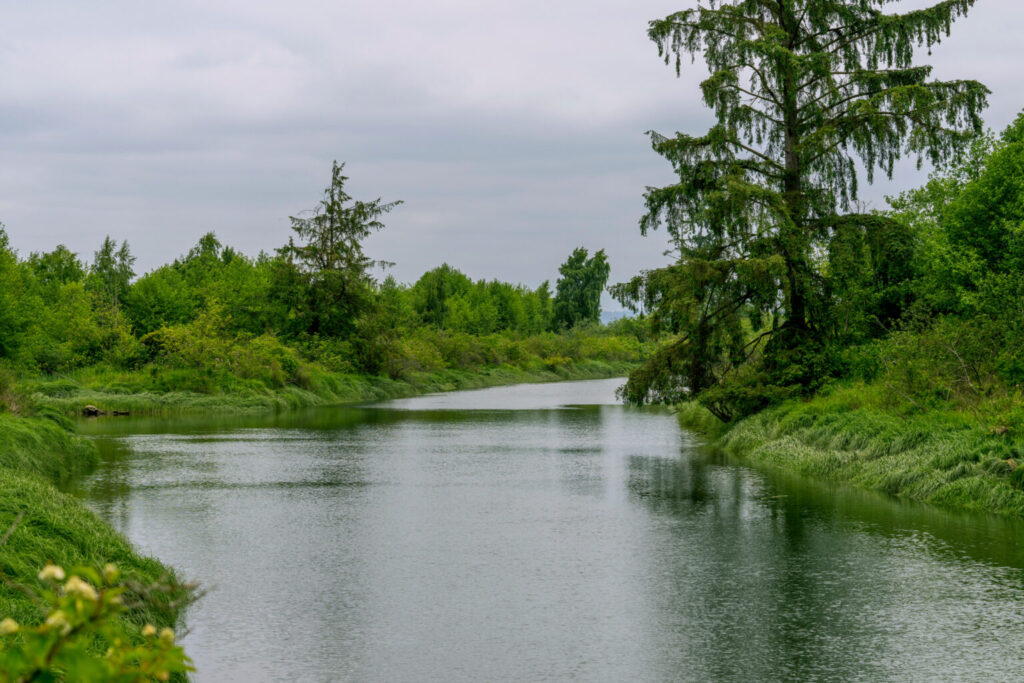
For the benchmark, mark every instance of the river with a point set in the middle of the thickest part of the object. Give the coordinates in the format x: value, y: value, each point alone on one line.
x: 545, y: 533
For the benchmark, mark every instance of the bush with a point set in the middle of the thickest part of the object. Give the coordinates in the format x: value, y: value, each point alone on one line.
x: 417, y: 354
x: 332, y: 354
x: 83, y: 639
x: 952, y: 360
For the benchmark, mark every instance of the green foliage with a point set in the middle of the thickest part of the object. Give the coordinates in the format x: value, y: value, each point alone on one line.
x: 960, y: 344
x: 111, y: 272
x: 434, y: 289
x: 159, y: 299
x: 968, y: 218
x: 697, y: 418
x: 473, y: 312
x: 206, y: 346
x: 56, y: 268
x: 931, y: 411
x: 380, y: 327
x: 217, y: 327
x: 8, y: 395
x: 330, y: 254
x: 82, y: 615
x: 16, y: 303
x: 775, y: 265
x: 50, y: 319
x: 969, y: 364
x: 579, y: 287
x: 850, y: 434
x: 42, y: 525
x: 215, y: 323
x: 264, y: 374
x: 447, y: 299
x: 987, y: 215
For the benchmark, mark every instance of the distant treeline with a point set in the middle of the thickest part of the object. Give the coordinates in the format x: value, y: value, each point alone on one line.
x: 314, y: 299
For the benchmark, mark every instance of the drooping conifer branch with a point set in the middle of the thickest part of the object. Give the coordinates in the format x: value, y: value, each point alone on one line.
x: 805, y: 93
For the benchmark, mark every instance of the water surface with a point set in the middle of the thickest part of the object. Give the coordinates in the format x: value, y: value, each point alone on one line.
x: 544, y: 532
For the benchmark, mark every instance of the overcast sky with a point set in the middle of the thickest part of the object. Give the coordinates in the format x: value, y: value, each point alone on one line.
x: 513, y: 131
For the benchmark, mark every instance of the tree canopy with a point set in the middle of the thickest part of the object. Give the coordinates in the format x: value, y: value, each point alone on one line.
x: 330, y: 255
x: 578, y: 290
x: 764, y: 218
x: 332, y: 234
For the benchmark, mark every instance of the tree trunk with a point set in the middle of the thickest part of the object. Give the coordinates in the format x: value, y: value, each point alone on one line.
x: 792, y: 231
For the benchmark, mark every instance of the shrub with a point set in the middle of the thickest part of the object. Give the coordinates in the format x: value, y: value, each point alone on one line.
x: 82, y: 637
x: 417, y: 354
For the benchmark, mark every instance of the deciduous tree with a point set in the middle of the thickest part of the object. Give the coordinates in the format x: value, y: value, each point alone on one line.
x: 578, y: 290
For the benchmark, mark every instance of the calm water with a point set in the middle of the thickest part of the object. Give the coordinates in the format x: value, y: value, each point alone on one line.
x: 543, y: 532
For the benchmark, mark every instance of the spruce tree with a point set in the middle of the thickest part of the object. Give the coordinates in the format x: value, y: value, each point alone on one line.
x: 331, y: 259
x: 807, y: 94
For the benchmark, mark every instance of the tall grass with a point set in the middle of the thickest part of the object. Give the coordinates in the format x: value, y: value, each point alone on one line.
x: 139, y: 392
x: 42, y: 448
x: 54, y: 527
x: 695, y: 417
x: 944, y: 457
x: 36, y: 454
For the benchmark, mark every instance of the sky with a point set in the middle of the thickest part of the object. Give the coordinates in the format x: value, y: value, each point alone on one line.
x: 513, y: 132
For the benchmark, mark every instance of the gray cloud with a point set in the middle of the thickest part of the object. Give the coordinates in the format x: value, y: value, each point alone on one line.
x: 513, y: 131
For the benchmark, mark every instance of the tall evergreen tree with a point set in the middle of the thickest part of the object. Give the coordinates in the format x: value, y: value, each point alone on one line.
x: 802, y: 90
x: 330, y: 253
x: 333, y: 232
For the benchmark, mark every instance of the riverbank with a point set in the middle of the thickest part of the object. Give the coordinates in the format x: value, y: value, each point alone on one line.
x: 945, y: 457
x: 36, y: 454
x: 134, y: 393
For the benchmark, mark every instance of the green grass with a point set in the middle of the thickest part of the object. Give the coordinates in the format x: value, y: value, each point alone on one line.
x: 697, y: 418
x: 39, y: 453
x: 134, y: 392
x: 55, y: 527
x: 853, y: 434
x: 42, y: 448
x: 35, y: 454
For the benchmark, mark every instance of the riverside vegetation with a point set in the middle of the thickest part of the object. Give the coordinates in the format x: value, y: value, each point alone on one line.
x: 219, y: 330
x: 882, y: 348
x: 48, y: 631
x: 308, y: 324
x: 81, y: 616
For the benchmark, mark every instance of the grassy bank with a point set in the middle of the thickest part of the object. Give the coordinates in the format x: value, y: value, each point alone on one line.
x: 42, y: 448
x: 139, y: 392
x: 853, y: 434
x: 38, y: 453
x: 35, y: 454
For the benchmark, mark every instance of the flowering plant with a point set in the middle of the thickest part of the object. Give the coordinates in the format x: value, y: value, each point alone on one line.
x: 82, y: 609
